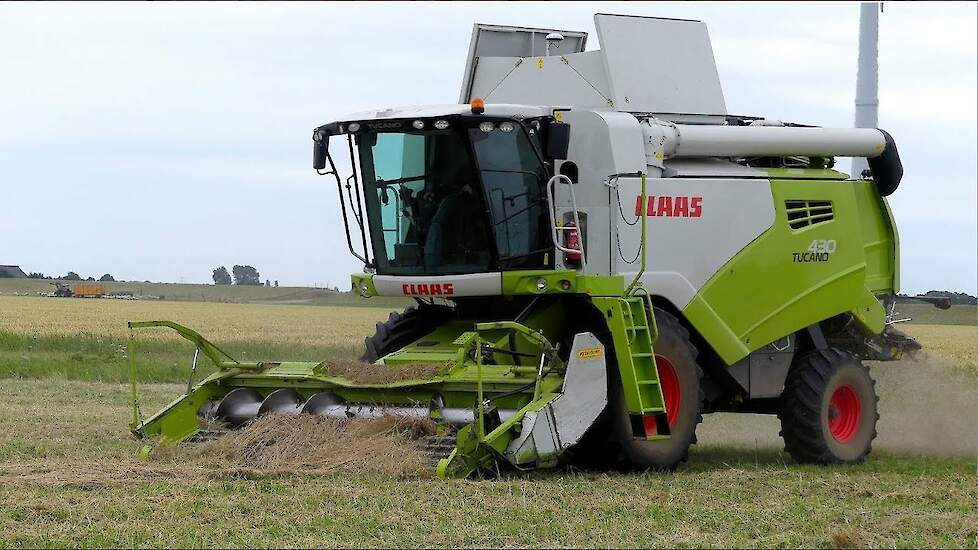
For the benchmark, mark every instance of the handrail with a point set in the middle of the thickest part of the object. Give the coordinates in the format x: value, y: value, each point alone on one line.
x: 636, y: 282
x: 551, y: 199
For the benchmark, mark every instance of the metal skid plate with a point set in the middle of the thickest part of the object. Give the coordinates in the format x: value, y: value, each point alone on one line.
x: 562, y: 423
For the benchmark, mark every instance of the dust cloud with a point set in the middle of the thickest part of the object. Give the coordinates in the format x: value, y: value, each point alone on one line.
x: 926, y: 407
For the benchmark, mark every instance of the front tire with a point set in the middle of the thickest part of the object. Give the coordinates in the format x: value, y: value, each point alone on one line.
x: 401, y: 329
x: 680, y: 376
x: 828, y: 409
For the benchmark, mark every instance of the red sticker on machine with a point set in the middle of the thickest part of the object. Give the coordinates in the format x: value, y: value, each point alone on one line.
x: 428, y: 289
x: 671, y: 207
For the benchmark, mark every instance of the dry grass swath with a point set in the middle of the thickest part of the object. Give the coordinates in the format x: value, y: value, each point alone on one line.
x: 283, y: 444
x: 366, y: 373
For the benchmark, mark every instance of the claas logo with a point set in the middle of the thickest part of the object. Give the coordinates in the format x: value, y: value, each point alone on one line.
x: 428, y: 289
x: 672, y: 207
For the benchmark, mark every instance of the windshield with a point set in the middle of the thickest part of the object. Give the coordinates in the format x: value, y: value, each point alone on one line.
x: 459, y: 200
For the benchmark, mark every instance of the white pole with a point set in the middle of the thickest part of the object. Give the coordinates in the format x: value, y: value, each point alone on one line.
x: 867, y: 76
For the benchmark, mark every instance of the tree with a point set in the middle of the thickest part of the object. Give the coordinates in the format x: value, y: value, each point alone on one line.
x: 221, y: 276
x: 90, y: 279
x: 37, y: 275
x: 107, y: 278
x: 72, y: 276
x: 246, y: 275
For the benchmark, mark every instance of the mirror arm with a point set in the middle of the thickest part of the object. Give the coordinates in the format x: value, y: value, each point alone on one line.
x: 356, y: 187
x: 346, y: 222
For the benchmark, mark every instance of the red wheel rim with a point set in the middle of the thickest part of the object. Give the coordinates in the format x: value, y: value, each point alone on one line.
x: 844, y: 413
x: 671, y: 392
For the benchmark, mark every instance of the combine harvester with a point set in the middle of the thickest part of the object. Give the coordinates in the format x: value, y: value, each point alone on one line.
x: 600, y: 254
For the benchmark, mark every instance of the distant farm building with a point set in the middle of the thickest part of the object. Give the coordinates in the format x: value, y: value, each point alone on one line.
x: 11, y: 272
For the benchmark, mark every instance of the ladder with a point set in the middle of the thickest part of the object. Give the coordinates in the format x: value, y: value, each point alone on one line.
x: 633, y: 330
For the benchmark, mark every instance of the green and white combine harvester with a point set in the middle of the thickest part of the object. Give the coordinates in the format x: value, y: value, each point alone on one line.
x: 600, y: 254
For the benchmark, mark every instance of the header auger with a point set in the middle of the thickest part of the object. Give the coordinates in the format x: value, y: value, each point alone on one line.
x: 599, y: 257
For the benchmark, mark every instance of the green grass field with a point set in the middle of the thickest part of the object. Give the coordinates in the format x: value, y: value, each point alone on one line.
x: 69, y: 476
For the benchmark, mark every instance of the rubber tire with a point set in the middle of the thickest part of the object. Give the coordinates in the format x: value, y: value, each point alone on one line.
x: 811, y: 381
x: 640, y: 454
x: 401, y: 329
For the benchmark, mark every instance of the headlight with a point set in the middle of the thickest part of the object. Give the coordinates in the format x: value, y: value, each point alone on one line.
x: 418, y: 124
x: 486, y: 126
x: 441, y: 124
x: 507, y: 126
x: 353, y: 127
x: 541, y: 284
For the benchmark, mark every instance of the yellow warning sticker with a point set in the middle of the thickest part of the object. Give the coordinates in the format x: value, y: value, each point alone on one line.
x: 590, y: 353
x: 540, y: 63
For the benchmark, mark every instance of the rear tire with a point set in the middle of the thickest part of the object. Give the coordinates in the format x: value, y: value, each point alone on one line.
x: 680, y: 376
x: 828, y: 408
x: 401, y: 329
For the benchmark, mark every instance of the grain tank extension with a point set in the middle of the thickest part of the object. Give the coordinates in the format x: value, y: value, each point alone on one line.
x: 600, y: 254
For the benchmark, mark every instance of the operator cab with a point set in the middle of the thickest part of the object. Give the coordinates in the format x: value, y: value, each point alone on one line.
x: 449, y: 193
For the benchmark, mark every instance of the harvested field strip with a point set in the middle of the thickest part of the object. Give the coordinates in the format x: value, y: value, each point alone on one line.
x: 69, y: 477
x: 719, y: 502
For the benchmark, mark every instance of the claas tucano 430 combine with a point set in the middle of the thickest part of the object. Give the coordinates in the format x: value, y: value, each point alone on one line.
x: 600, y: 254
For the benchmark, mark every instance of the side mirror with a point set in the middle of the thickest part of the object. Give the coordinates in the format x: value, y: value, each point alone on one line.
x: 320, y: 149
x: 558, y: 140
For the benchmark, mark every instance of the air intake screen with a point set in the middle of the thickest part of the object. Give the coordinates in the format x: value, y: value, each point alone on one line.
x: 805, y: 213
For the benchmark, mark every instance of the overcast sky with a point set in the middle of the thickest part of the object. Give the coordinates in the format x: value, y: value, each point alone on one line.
x: 156, y: 141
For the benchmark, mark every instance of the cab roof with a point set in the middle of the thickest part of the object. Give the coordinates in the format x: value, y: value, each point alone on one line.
x: 426, y: 111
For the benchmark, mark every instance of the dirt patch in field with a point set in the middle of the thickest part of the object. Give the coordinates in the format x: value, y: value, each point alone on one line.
x: 367, y: 373
x: 926, y: 407
x: 313, y: 444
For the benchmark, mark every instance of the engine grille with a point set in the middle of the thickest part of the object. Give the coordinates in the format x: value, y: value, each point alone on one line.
x: 805, y: 213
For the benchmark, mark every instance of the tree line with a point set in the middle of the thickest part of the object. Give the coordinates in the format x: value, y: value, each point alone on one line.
x: 71, y: 276
x: 245, y: 275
